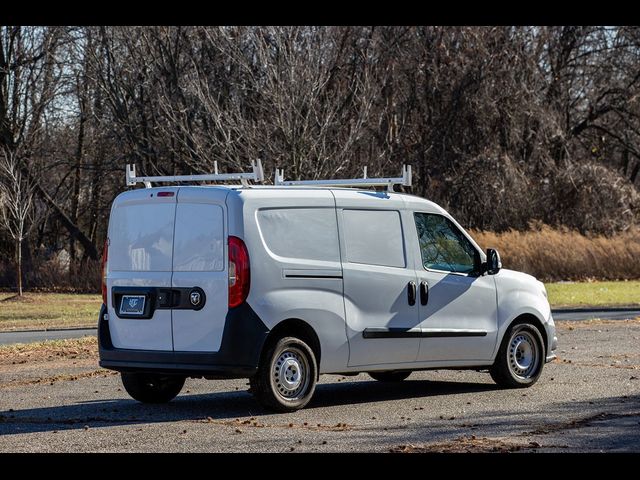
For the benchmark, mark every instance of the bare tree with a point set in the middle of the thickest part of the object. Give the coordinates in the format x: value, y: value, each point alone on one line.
x: 504, y: 125
x: 16, y: 206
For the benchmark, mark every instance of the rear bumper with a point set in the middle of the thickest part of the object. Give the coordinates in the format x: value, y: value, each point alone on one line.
x: 242, y: 341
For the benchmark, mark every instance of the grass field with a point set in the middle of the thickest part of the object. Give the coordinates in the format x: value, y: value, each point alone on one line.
x: 48, y: 310
x: 56, y: 310
x: 594, y: 293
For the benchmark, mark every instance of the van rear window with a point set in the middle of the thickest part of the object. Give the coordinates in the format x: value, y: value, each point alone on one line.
x: 141, y: 238
x: 305, y: 233
x: 199, y: 238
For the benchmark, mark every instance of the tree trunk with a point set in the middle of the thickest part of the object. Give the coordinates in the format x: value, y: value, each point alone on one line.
x: 19, y: 265
x: 634, y: 173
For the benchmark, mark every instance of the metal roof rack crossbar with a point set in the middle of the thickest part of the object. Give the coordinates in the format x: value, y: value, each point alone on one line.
x: 257, y: 175
x: 404, y: 180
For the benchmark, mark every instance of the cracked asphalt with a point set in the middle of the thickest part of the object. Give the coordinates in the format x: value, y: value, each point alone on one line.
x: 587, y: 400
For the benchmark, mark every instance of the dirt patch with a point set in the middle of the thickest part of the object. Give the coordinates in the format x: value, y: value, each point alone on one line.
x: 41, y: 363
x: 252, y: 422
x: 596, y: 322
x: 64, y: 377
x: 21, y: 353
x: 617, y: 362
x: 602, y: 365
x: 12, y: 419
x: 578, y: 423
x: 470, y: 444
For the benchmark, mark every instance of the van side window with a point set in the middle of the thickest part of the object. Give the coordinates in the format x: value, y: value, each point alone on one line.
x: 374, y: 237
x: 443, y: 246
x: 300, y: 233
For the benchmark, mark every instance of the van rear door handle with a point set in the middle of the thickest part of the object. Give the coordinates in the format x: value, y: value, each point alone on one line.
x: 424, y: 293
x: 411, y: 291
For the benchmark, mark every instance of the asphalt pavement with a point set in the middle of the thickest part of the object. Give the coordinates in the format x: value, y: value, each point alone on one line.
x: 41, y: 335
x: 587, y: 400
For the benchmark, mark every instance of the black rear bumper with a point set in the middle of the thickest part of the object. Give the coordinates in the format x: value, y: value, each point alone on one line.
x: 242, y: 341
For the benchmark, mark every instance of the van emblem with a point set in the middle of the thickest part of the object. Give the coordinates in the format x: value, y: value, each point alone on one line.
x: 195, y: 299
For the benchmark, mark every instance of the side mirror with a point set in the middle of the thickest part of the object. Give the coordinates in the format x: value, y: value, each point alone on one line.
x: 494, y: 264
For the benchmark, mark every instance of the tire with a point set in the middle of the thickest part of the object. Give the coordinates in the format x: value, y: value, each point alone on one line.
x: 390, y: 375
x: 521, y: 357
x: 152, y: 388
x: 286, y: 377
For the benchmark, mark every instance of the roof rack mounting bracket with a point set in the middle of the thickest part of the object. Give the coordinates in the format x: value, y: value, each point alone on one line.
x: 365, y: 181
x: 257, y: 175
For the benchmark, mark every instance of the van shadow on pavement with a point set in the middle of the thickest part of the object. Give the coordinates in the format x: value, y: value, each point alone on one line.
x: 219, y: 406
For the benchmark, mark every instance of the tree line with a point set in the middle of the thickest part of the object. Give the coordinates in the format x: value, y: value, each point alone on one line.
x: 504, y: 126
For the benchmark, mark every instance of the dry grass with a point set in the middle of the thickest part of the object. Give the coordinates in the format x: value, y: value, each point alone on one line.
x: 555, y: 254
x: 20, y: 353
x: 48, y: 310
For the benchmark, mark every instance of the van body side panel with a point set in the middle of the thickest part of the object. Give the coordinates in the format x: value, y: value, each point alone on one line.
x: 377, y: 270
x: 518, y: 295
x: 295, y: 263
x: 140, y: 255
x: 461, y: 312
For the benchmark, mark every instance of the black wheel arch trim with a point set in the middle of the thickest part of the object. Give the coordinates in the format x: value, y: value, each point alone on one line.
x: 536, y: 322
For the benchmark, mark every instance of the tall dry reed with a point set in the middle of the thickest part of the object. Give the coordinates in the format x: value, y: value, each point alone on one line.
x: 559, y: 254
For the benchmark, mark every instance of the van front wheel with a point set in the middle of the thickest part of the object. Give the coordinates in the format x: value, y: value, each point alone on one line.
x: 152, y: 388
x: 286, y: 377
x: 521, y: 357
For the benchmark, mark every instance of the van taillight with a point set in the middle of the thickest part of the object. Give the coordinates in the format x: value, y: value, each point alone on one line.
x: 239, y: 274
x: 105, y: 253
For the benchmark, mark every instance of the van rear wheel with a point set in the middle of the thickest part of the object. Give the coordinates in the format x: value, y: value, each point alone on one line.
x: 390, y: 375
x: 286, y: 377
x: 152, y: 388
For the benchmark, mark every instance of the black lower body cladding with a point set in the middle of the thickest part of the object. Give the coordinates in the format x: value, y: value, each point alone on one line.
x: 242, y: 341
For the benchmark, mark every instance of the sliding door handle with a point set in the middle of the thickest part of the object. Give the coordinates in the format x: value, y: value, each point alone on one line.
x: 424, y: 293
x: 411, y: 291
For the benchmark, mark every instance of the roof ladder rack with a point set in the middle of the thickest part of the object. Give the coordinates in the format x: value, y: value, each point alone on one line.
x: 257, y: 176
x: 404, y: 180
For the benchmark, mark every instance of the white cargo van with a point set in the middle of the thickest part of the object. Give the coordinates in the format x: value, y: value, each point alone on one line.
x: 280, y: 284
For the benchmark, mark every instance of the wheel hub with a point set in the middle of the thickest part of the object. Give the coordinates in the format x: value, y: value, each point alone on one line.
x: 289, y: 374
x: 523, y: 355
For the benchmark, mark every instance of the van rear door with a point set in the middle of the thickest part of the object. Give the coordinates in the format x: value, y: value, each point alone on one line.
x: 139, y: 266
x: 200, y: 269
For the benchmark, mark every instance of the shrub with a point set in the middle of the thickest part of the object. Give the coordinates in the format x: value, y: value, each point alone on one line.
x: 562, y: 254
